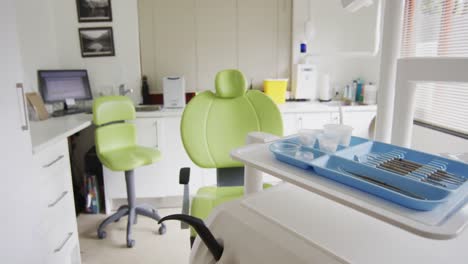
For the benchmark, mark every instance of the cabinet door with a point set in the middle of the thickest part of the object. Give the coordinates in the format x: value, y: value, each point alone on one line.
x: 360, y: 121
x: 313, y: 120
x: 289, y: 124
x: 147, y: 132
x: 150, y: 179
x: 20, y: 239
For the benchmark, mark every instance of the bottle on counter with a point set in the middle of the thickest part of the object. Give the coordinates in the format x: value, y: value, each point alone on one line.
x: 359, y: 91
x: 370, y: 94
x: 145, y: 91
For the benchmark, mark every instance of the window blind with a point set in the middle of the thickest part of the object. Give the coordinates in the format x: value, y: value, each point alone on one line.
x: 443, y: 105
x: 438, y: 28
x: 435, y: 28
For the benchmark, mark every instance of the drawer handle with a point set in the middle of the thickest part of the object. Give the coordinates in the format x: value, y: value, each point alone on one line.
x: 58, y: 199
x: 69, y: 235
x: 53, y: 162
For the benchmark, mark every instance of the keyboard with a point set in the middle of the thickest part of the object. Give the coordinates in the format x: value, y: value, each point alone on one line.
x: 70, y: 111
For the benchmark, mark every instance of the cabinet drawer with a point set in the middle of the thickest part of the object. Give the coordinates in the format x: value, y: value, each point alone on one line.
x: 53, y: 161
x: 60, y: 213
x: 62, y: 251
x: 52, y: 155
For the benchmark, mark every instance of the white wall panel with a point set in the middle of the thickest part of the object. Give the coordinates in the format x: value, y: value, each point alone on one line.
x: 198, y: 38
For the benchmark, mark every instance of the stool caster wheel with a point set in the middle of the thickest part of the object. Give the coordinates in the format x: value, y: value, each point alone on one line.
x: 130, y: 243
x: 101, y: 234
x: 162, y: 230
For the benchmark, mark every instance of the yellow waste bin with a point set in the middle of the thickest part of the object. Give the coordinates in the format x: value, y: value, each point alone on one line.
x: 276, y: 89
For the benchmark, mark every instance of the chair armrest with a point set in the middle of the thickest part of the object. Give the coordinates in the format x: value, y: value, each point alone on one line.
x: 184, y: 176
x: 184, y: 179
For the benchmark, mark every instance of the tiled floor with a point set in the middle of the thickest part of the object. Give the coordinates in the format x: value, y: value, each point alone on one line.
x: 172, y: 247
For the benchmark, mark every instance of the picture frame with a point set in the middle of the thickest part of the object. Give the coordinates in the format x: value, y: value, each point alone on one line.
x: 96, y: 41
x: 94, y: 11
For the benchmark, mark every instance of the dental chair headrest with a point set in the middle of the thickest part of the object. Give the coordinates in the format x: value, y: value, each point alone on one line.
x: 230, y: 84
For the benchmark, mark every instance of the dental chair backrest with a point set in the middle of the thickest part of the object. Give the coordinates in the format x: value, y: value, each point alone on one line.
x: 213, y: 124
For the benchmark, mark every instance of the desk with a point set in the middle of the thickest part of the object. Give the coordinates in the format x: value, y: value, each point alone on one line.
x: 46, y: 133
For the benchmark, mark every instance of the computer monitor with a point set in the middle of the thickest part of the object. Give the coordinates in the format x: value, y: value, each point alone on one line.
x: 57, y: 86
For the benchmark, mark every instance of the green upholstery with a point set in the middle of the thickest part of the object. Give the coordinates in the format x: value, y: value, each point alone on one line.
x: 108, y: 109
x: 116, y: 142
x: 214, y: 124
x: 230, y: 84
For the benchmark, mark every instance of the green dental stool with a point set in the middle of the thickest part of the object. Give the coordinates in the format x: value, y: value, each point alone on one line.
x: 117, y: 150
x: 212, y: 125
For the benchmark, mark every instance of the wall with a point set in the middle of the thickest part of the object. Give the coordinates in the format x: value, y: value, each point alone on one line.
x: 343, y: 67
x: 36, y: 38
x: 49, y: 40
x: 106, y: 73
x: 197, y: 38
x: 433, y: 141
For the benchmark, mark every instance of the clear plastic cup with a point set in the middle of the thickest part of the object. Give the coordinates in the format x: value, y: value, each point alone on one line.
x: 305, y: 155
x: 307, y: 137
x: 286, y: 148
x: 344, y: 132
x: 328, y: 142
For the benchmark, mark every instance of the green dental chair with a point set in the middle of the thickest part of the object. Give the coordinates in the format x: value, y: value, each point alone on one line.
x: 212, y: 125
x: 117, y: 150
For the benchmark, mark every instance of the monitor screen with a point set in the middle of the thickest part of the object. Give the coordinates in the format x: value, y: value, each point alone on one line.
x: 58, y: 85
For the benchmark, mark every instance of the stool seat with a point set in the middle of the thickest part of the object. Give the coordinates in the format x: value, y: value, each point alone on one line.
x: 129, y: 158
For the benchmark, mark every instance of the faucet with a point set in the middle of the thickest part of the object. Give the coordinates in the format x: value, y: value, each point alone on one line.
x: 123, y: 91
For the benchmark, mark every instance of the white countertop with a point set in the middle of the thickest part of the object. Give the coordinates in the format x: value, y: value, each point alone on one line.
x: 314, y: 107
x: 48, y: 132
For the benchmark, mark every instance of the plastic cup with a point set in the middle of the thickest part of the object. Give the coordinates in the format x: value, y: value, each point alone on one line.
x: 328, y: 142
x: 305, y: 155
x: 344, y: 132
x: 286, y: 148
x: 307, y: 137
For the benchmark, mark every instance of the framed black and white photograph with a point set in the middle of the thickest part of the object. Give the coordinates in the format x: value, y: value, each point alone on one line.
x: 96, y: 42
x: 94, y: 10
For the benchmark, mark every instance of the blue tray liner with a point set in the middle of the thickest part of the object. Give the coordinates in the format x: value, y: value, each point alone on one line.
x: 452, y: 166
x: 327, y: 166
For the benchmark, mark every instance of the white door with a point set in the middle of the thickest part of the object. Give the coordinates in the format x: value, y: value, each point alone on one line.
x: 19, y: 212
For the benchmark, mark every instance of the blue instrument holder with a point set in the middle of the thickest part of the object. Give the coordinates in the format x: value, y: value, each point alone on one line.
x: 360, y: 166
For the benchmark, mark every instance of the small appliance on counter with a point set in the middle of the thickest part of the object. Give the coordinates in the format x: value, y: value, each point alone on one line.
x: 304, y: 82
x: 174, y: 92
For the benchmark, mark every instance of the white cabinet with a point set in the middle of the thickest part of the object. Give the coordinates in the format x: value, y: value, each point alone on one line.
x: 359, y: 120
x: 290, y: 124
x: 314, y: 120
x: 147, y: 132
x: 293, y: 122
x: 19, y: 227
x: 57, y: 224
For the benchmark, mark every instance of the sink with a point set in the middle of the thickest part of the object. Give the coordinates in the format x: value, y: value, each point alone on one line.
x: 148, y: 108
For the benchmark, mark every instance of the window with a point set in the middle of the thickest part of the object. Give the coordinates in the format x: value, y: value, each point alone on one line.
x: 432, y: 29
